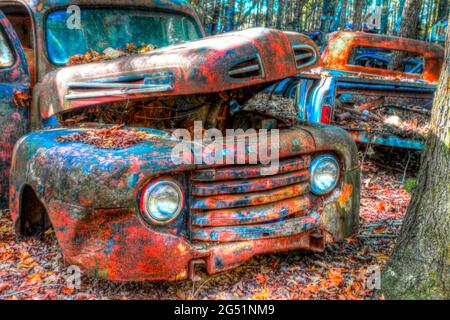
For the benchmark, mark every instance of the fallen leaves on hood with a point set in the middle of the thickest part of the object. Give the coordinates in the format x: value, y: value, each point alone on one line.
x: 115, y: 137
x: 108, y: 54
x: 273, y: 106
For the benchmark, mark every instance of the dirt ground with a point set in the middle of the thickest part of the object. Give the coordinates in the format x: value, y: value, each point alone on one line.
x: 35, y: 269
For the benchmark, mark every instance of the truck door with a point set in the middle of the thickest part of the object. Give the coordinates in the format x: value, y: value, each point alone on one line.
x: 14, y: 100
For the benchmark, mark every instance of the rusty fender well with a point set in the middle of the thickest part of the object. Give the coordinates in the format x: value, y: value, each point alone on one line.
x: 86, y: 176
x: 197, y: 67
x: 340, y: 217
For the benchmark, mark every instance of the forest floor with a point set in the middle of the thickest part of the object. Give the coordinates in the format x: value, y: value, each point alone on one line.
x: 35, y: 269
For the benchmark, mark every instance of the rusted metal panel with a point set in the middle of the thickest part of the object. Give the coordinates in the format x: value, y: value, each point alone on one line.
x: 386, y: 140
x: 253, y: 214
x: 200, y: 67
x: 340, y: 44
x: 248, y: 185
x: 14, y: 105
x: 237, y: 172
x: 248, y: 199
x: 279, y: 229
x: 231, y: 255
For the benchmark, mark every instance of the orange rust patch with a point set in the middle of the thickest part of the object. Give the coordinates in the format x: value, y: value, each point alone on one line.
x: 21, y: 99
x: 345, y: 195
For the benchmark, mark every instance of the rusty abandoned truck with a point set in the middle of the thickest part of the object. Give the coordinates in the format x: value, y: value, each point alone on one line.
x: 378, y: 88
x: 123, y: 209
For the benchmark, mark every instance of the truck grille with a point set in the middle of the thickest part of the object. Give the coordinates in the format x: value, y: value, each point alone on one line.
x: 240, y: 203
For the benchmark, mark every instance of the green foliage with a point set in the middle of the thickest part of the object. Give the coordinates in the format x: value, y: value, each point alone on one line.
x: 410, y: 185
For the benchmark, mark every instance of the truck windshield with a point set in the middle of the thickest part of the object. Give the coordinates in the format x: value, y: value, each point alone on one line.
x: 99, y: 29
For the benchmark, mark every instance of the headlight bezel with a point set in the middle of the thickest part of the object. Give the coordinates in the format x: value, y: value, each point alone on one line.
x: 147, y: 192
x: 314, y: 166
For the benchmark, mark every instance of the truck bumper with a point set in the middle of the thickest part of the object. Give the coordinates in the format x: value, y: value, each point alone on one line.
x: 386, y: 141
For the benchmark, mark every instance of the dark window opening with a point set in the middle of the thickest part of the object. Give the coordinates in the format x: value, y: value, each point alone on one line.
x: 22, y: 24
x: 394, y: 60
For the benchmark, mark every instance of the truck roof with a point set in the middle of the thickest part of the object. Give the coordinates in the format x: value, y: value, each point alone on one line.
x: 386, y: 42
x: 340, y: 44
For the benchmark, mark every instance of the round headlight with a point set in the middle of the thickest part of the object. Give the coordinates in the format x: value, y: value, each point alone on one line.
x: 324, y: 174
x: 162, y: 201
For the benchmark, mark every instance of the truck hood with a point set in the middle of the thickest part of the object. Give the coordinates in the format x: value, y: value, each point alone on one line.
x: 214, y: 64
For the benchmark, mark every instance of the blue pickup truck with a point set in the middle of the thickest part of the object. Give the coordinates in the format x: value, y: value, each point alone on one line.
x: 360, y: 89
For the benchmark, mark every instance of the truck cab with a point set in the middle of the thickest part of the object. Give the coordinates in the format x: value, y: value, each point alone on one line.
x: 110, y: 114
x: 378, y: 88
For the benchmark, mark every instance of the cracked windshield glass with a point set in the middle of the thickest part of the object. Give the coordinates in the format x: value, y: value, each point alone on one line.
x: 115, y: 31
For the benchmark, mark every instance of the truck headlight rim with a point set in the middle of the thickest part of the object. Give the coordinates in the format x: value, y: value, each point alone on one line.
x: 318, y: 164
x: 149, y: 201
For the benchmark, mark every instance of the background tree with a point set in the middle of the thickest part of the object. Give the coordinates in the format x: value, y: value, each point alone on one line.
x: 327, y: 15
x: 358, y: 7
x: 269, y: 13
x: 442, y: 10
x: 384, y: 17
x: 420, y: 265
x: 343, y: 18
x: 410, y: 19
x: 280, y: 12
x: 325, y: 19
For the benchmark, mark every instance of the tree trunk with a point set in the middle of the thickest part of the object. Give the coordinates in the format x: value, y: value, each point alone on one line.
x: 332, y: 16
x: 317, y: 11
x: 215, y: 18
x: 357, y: 14
x: 324, y: 23
x: 258, y: 13
x: 384, y: 17
x: 344, y: 18
x: 269, y: 13
x: 280, y: 10
x: 410, y: 19
x: 443, y: 10
x: 296, y: 19
x: 230, y: 13
x: 409, y: 28
x: 420, y: 265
